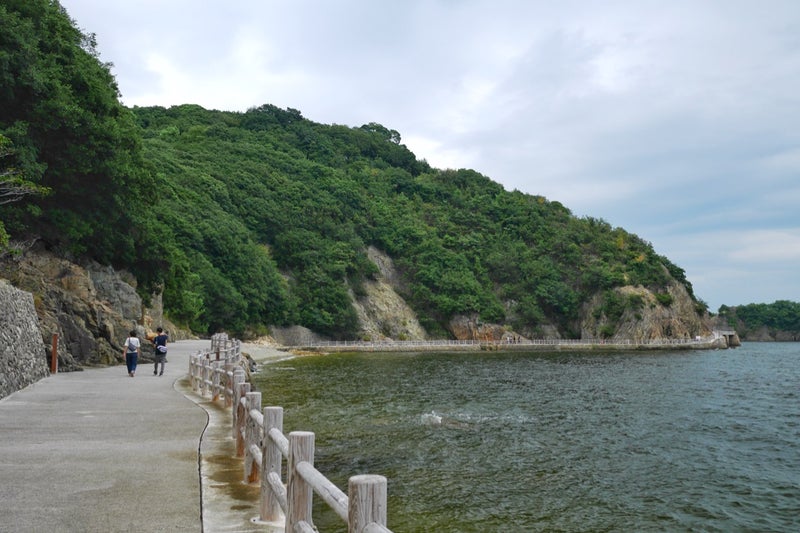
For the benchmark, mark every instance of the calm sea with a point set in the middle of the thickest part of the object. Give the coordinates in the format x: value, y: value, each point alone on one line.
x: 522, y: 442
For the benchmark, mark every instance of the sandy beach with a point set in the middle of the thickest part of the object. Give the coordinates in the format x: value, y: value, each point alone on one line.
x: 266, y: 352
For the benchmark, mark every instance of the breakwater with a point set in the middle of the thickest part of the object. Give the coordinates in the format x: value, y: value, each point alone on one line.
x: 717, y: 340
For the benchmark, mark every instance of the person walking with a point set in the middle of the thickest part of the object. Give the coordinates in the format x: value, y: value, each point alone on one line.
x: 131, y: 353
x: 160, y: 351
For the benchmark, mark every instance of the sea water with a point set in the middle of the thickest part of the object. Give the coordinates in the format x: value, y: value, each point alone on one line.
x: 501, y: 442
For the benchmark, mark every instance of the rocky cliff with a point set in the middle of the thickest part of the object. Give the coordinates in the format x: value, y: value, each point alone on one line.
x: 384, y: 314
x: 648, y: 319
x: 91, y: 308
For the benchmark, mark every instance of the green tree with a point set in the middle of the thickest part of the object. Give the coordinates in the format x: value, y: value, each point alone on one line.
x: 13, y: 186
x: 60, y: 106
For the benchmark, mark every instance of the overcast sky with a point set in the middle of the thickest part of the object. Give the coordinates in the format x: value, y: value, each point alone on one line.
x: 678, y: 121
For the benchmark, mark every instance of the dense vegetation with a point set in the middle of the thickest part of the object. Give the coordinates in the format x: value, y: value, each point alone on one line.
x: 261, y: 218
x: 780, y: 316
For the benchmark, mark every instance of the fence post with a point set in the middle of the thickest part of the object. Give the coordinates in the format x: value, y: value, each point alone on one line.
x: 238, y: 379
x: 298, y: 492
x: 251, y: 436
x: 192, y: 380
x: 214, y: 381
x: 206, y: 367
x: 241, y: 418
x: 367, y: 497
x: 228, y: 384
x: 271, y: 462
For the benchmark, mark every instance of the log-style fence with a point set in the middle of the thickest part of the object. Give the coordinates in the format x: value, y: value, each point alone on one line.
x: 286, y: 490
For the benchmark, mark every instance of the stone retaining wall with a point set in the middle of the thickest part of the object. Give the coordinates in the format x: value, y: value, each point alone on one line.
x: 23, y: 355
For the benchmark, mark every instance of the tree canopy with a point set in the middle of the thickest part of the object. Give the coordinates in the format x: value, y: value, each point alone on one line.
x: 781, y: 315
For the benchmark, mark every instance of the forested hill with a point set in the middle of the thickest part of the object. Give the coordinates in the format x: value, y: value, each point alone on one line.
x: 247, y: 196
x: 778, y: 321
x: 258, y: 218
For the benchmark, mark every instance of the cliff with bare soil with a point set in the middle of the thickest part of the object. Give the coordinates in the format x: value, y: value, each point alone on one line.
x: 91, y: 308
x: 649, y: 319
x: 670, y: 315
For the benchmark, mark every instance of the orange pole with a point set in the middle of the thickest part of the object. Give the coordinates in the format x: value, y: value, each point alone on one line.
x: 54, y: 355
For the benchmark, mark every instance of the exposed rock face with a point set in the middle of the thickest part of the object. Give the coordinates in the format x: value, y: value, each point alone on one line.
x: 383, y: 313
x: 91, y: 309
x: 465, y: 327
x: 23, y: 354
x: 90, y: 328
x: 119, y: 294
x: 652, y: 320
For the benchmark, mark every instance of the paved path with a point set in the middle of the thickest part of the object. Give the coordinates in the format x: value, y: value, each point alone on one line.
x: 99, y: 451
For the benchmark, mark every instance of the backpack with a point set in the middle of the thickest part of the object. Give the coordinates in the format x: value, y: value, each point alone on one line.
x: 131, y: 347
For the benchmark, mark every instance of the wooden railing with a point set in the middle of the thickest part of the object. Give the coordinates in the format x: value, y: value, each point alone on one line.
x: 258, y: 432
x: 211, y: 372
x: 395, y: 345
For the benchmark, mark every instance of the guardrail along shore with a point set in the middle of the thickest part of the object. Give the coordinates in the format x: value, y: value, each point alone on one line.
x: 286, y: 491
x: 717, y: 339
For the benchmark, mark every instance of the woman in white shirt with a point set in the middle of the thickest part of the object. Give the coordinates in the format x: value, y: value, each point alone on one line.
x: 131, y: 353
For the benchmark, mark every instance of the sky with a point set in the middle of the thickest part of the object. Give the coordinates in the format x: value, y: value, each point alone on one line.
x: 678, y: 121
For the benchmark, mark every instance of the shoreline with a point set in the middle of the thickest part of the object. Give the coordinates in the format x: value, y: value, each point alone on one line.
x: 269, y: 353
x: 266, y: 353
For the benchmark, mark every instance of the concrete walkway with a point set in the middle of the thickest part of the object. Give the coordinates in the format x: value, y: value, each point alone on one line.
x: 98, y: 450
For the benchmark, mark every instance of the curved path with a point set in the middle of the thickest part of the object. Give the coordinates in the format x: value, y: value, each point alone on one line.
x: 99, y: 451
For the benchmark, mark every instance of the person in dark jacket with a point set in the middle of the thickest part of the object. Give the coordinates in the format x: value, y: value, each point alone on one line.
x: 160, y: 351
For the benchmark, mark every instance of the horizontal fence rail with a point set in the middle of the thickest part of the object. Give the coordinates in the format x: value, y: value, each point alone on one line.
x: 389, y: 344
x: 286, y: 491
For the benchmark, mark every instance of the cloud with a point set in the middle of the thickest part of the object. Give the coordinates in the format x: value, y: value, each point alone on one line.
x: 767, y: 246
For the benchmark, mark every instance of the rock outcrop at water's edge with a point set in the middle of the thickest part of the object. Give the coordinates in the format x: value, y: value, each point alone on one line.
x: 760, y: 334
x: 651, y: 320
x: 384, y: 314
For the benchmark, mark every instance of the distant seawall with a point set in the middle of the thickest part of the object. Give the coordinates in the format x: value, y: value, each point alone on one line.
x: 545, y: 345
